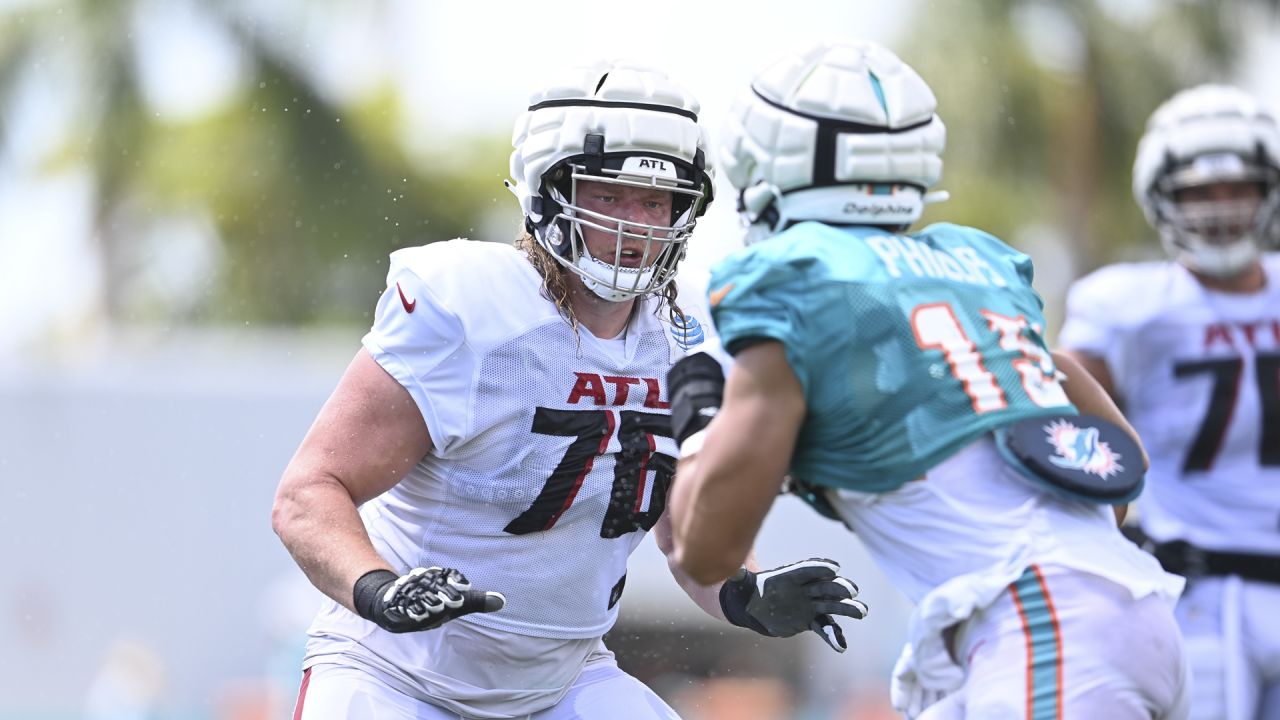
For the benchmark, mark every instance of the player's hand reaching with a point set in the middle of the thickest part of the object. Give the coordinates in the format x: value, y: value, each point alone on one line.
x: 422, y: 599
x: 793, y: 598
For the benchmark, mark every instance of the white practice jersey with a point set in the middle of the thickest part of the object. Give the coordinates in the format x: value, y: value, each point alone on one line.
x: 954, y: 541
x: 1198, y: 374
x: 551, y: 456
x: 974, y: 516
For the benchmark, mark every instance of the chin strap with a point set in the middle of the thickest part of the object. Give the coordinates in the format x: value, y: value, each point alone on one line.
x: 1222, y: 262
x: 593, y: 269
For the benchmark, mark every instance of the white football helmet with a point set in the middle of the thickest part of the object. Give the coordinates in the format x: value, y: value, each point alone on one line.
x: 1202, y: 136
x: 842, y: 134
x: 614, y: 123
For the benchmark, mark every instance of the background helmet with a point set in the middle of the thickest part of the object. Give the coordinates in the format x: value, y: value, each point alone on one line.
x: 843, y: 134
x: 1204, y: 135
x: 616, y: 123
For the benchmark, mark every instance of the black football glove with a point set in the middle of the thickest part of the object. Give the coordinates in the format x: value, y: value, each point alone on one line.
x: 422, y: 599
x: 696, y: 385
x: 793, y: 598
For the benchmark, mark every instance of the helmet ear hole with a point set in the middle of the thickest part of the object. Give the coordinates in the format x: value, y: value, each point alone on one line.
x: 557, y: 184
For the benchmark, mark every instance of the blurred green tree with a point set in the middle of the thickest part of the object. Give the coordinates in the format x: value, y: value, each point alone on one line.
x: 305, y: 195
x: 1045, y: 101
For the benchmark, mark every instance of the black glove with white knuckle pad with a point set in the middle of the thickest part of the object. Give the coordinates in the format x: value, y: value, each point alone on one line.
x: 421, y: 599
x: 793, y: 598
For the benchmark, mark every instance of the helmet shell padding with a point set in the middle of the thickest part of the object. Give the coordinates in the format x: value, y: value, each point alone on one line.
x: 617, y: 123
x: 1201, y: 136
x: 853, y: 117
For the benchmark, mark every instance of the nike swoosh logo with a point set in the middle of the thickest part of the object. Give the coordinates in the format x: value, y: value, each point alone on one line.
x: 718, y: 295
x: 408, y: 305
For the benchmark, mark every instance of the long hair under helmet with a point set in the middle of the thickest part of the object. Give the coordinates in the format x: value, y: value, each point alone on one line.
x: 621, y: 124
x: 1201, y: 136
x: 843, y: 134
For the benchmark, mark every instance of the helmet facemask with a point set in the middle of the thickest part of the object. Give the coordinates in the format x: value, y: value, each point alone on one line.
x: 643, y: 256
x: 1196, y: 144
x: 1218, y: 237
x: 619, y: 124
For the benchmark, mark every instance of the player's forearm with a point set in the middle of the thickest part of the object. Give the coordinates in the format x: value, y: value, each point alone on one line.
x: 713, y: 534
x: 1094, y: 365
x: 706, y: 597
x: 318, y: 523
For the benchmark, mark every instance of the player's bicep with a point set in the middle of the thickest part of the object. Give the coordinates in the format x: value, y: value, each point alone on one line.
x: 368, y: 435
x: 723, y: 492
x: 761, y: 415
x: 748, y: 447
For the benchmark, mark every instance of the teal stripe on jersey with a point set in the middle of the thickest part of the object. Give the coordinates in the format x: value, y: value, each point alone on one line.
x: 1044, y: 646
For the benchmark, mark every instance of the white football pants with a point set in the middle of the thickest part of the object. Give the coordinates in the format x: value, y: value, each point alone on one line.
x: 602, y: 692
x: 1232, y: 634
x: 1063, y: 645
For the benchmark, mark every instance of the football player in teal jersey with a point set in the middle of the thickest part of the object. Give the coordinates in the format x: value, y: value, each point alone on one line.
x: 901, y: 384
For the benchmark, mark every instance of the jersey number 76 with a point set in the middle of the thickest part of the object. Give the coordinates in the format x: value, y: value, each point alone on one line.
x: 591, y: 431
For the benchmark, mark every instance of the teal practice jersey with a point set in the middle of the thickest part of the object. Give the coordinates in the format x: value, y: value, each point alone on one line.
x: 909, y: 347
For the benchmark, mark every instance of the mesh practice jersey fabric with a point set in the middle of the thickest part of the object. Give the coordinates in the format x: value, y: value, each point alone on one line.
x: 908, y: 347
x: 552, y: 452
x: 911, y: 350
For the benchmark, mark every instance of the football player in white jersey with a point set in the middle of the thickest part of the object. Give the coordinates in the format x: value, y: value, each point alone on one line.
x: 902, y: 383
x: 1190, y: 348
x: 469, y: 495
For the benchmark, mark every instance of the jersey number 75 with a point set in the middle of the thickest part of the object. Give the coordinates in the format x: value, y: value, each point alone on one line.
x: 1226, y: 374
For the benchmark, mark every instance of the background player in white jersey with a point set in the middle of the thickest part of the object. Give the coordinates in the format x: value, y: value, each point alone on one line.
x: 1191, y: 349
x: 507, y: 419
x: 903, y: 383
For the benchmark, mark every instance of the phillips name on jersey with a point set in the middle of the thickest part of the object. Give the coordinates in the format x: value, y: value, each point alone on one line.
x: 908, y: 347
